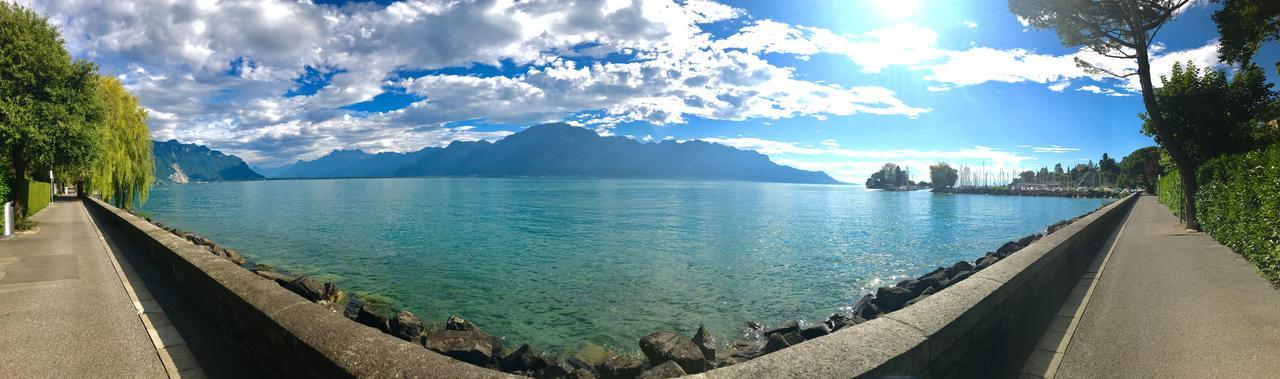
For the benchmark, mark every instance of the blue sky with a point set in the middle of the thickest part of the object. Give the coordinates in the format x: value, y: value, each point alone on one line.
x: 841, y: 87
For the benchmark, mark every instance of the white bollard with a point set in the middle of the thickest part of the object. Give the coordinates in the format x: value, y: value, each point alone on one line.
x: 8, y: 219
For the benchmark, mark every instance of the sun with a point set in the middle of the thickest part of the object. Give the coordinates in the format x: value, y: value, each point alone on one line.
x: 896, y: 9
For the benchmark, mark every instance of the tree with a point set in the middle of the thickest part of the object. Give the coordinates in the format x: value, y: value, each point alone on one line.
x: 1141, y: 168
x: 1211, y: 116
x: 942, y: 175
x: 1244, y: 25
x: 889, y: 176
x: 1027, y: 176
x: 1121, y: 29
x: 123, y: 171
x: 46, y: 100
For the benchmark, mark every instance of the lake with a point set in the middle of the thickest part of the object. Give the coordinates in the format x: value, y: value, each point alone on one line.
x: 563, y: 263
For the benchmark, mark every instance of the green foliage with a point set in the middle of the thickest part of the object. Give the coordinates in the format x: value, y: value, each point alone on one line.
x: 47, y: 110
x: 4, y: 187
x: 1169, y: 191
x: 1141, y: 168
x: 889, y: 176
x: 1244, y: 25
x: 1211, y: 115
x: 1239, y: 201
x: 123, y: 171
x: 942, y: 175
x: 38, y: 196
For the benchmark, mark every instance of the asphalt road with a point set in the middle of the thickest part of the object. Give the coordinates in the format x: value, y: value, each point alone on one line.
x: 1172, y: 304
x: 63, y: 310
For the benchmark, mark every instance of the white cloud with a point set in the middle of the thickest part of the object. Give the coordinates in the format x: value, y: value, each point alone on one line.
x: 969, y: 24
x: 854, y: 166
x: 217, y: 71
x: 1055, y: 149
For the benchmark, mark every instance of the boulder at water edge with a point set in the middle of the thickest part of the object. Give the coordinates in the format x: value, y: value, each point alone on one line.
x: 707, y: 344
x: 663, y: 371
x: 308, y: 288
x: 619, y: 367
x: 471, y: 346
x: 406, y: 325
x: 661, y: 347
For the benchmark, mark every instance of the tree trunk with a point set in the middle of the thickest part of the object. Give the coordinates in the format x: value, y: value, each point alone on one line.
x: 1186, y: 168
x: 20, y: 188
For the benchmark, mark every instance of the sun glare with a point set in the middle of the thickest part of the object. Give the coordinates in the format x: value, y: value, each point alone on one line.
x: 896, y: 9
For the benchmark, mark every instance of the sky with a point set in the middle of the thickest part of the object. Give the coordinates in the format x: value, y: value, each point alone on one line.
x: 837, y: 86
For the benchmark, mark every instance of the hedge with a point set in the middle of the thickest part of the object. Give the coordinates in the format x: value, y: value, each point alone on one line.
x: 1169, y: 191
x: 37, y: 196
x: 1238, y: 203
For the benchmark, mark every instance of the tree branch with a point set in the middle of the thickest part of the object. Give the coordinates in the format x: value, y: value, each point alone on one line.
x: 1097, y: 70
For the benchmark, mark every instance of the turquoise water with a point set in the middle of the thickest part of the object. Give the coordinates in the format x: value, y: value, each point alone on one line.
x: 559, y: 263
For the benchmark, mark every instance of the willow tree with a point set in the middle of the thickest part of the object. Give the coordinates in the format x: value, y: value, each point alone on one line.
x: 122, y: 172
x: 47, y: 109
x: 1121, y: 29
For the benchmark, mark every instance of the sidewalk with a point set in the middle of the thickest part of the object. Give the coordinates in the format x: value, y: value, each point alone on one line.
x: 1170, y: 304
x: 63, y: 309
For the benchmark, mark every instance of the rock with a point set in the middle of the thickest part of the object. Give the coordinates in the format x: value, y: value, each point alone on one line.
x: 471, y: 346
x: 786, y: 327
x: 961, y: 276
x: 663, y: 371
x: 368, y: 317
x: 580, y: 373
x: 307, y: 288
x: 707, y: 344
x: 279, y: 278
x: 228, y: 254
x: 747, y: 350
x: 457, y: 323
x: 987, y: 261
x: 1026, y: 241
x: 523, y: 359
x: 937, y: 279
x: 554, y: 368
x: 661, y: 347
x: 725, y: 362
x: 866, y: 308
x: 753, y: 325
x: 334, y: 307
x: 1008, y: 248
x: 332, y: 293
x: 1055, y: 227
x: 619, y: 367
x: 890, y: 299
x: 815, y: 331
x: 916, y: 300
x: 840, y: 320
x: 932, y: 273
x: 957, y: 268
x: 781, y: 341
x: 406, y: 325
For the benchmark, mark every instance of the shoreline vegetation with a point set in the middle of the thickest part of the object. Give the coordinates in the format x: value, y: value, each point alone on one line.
x: 1027, y: 191
x: 664, y: 353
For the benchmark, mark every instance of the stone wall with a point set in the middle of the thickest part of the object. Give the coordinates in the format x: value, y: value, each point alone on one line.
x: 279, y: 330
x: 984, y: 326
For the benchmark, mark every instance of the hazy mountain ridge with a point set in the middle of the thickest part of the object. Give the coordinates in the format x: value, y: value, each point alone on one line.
x: 560, y: 150
x: 177, y: 162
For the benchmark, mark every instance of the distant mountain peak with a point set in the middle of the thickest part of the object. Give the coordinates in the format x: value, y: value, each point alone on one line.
x: 177, y: 162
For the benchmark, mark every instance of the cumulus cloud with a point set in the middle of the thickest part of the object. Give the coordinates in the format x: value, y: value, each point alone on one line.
x: 218, y: 71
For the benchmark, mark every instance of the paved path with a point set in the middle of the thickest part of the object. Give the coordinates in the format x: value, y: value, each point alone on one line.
x: 63, y: 309
x: 1167, y: 304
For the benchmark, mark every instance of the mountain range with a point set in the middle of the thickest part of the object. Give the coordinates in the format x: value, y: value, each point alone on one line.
x: 177, y: 162
x: 556, y: 150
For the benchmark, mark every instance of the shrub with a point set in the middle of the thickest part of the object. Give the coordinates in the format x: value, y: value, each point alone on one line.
x: 1239, y: 205
x: 37, y: 196
x: 1169, y: 191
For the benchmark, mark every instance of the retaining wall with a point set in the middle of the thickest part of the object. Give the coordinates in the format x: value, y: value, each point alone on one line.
x: 984, y: 326
x: 277, y: 329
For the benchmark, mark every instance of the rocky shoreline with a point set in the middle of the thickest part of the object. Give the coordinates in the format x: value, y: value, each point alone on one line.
x: 1056, y: 192
x: 666, y: 354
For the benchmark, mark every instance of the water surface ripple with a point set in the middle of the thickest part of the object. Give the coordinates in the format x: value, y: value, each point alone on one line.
x: 557, y: 263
